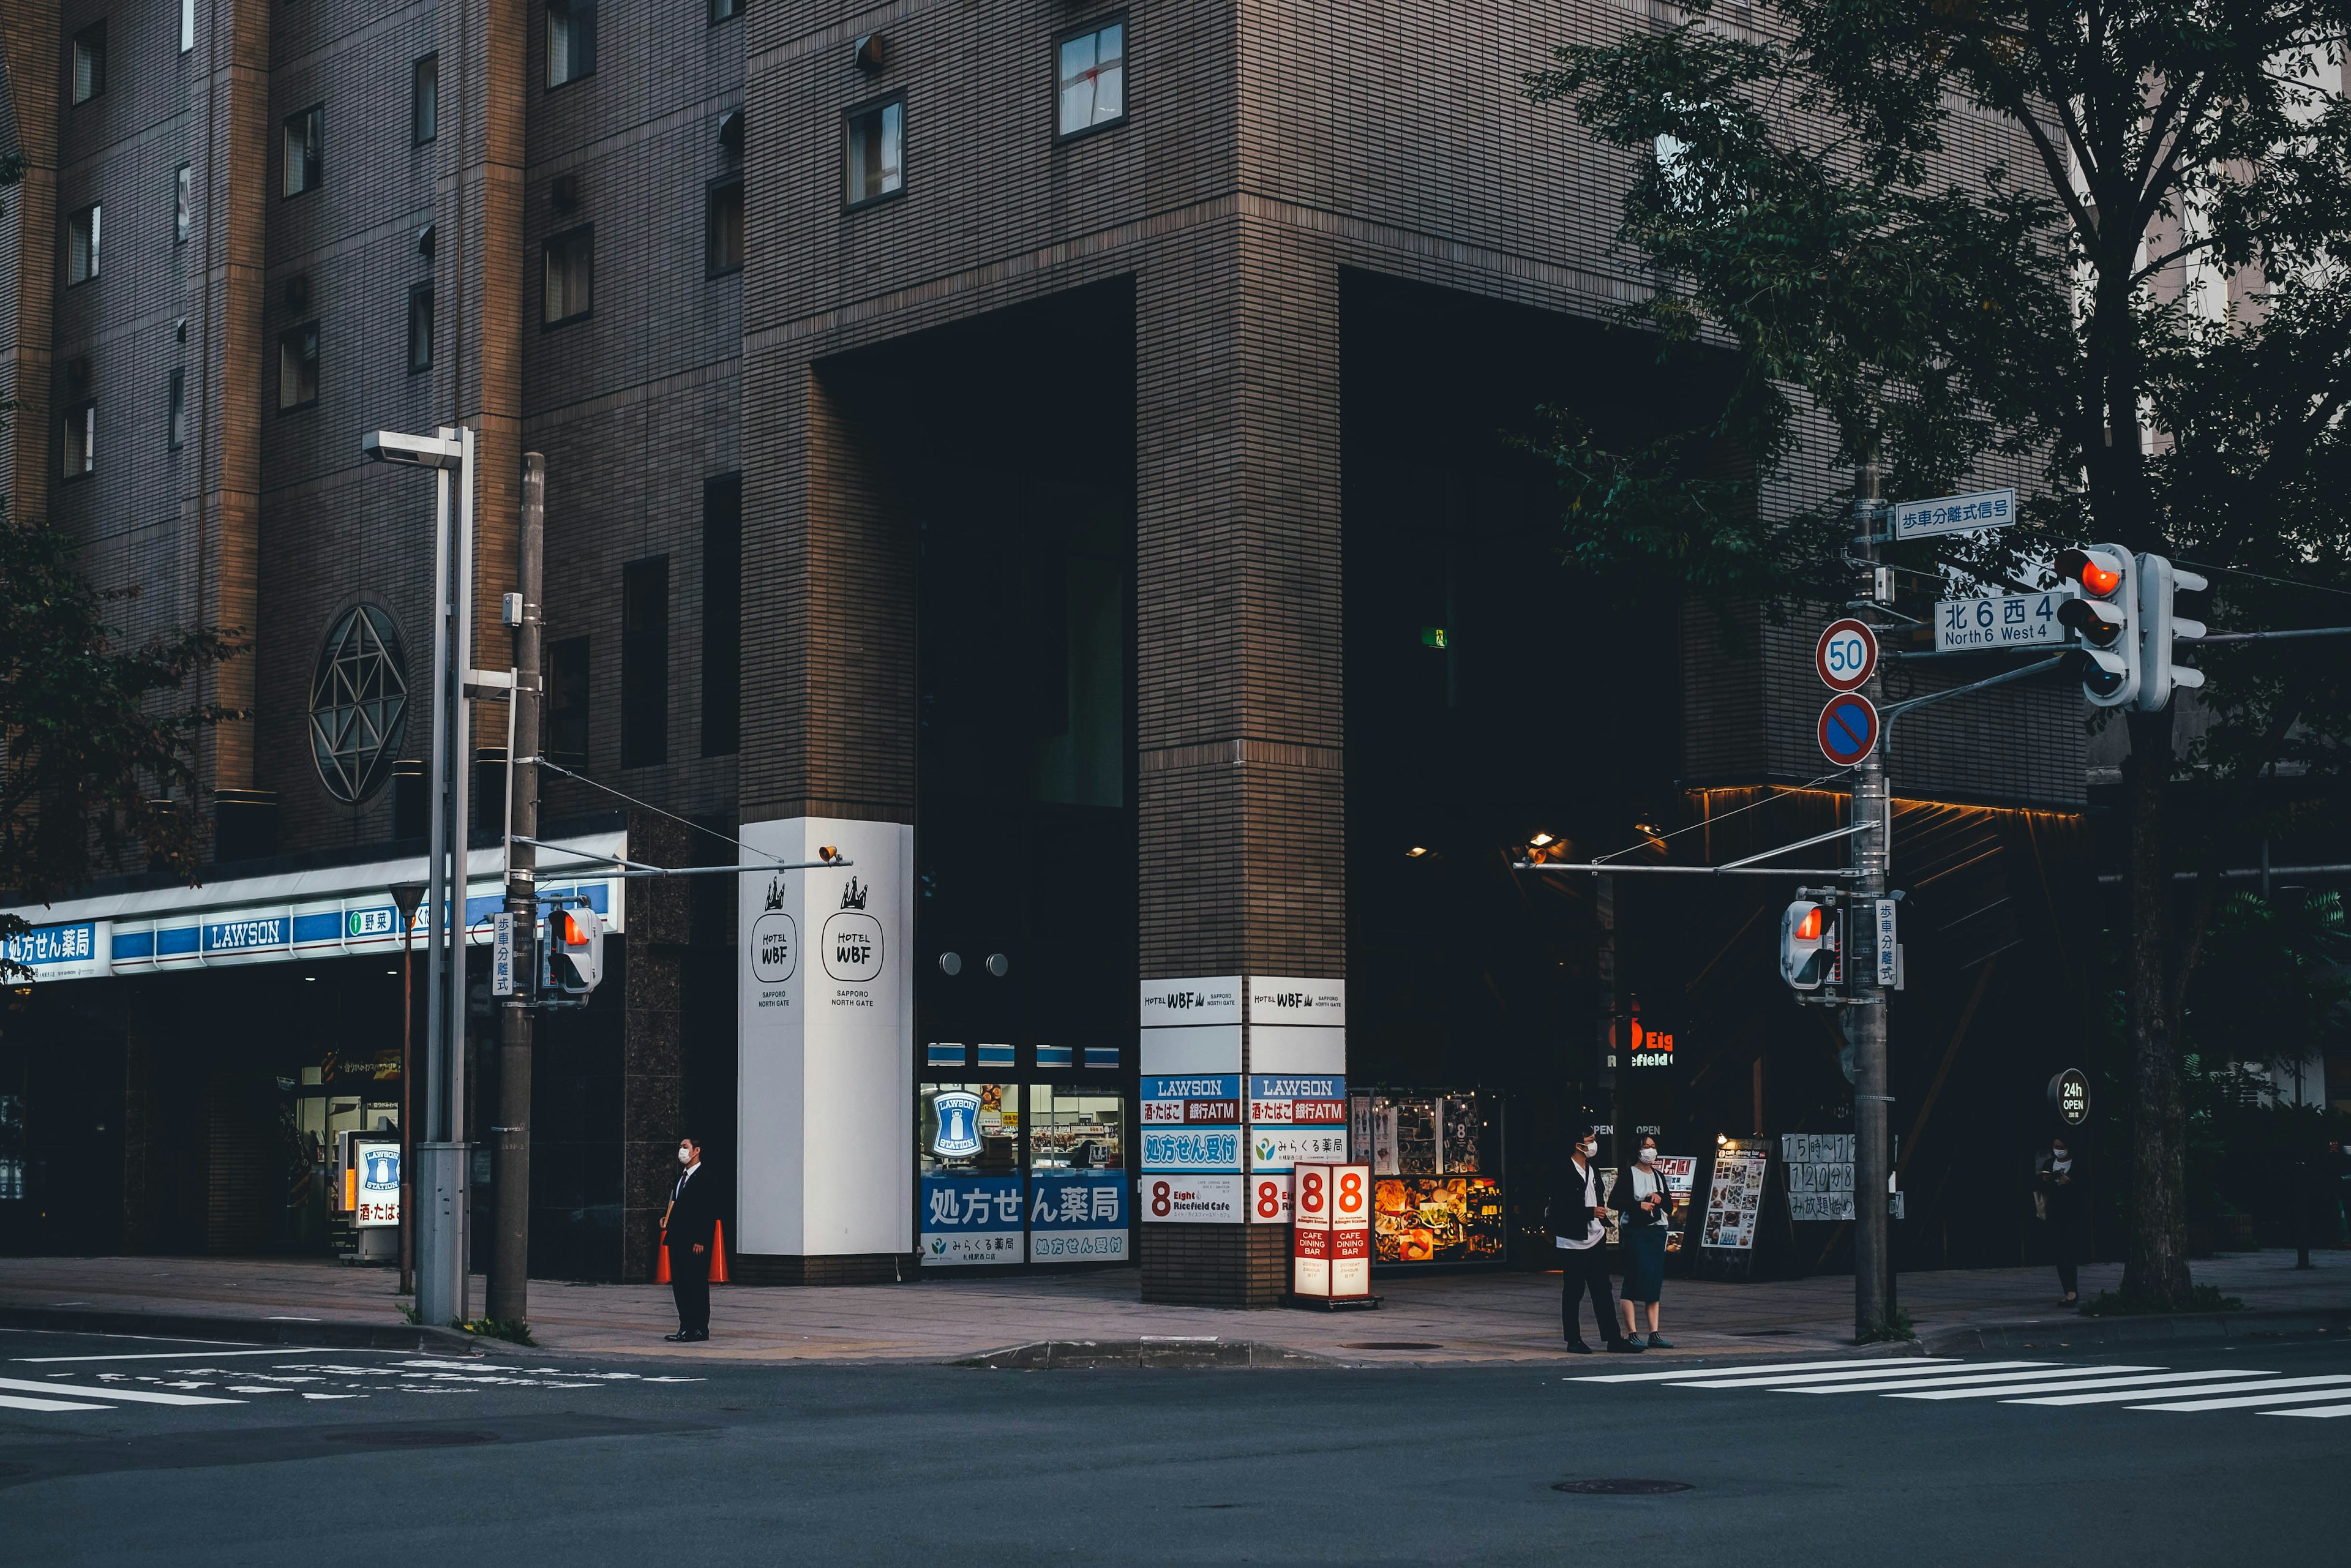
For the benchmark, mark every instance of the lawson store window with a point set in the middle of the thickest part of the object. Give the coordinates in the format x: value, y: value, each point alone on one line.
x: 1012, y: 1175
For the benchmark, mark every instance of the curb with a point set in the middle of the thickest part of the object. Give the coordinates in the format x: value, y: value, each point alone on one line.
x: 324, y: 1334
x: 2180, y: 1328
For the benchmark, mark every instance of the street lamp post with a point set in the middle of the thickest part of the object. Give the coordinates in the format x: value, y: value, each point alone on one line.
x: 405, y: 898
x: 441, y: 1250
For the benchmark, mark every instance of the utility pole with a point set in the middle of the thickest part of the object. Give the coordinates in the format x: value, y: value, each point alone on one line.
x: 1873, y: 1274
x: 405, y: 898
x: 510, y: 1261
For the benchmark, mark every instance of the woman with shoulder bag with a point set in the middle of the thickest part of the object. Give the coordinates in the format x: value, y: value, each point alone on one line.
x: 1647, y: 1210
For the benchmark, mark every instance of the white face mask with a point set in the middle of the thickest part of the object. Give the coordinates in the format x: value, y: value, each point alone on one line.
x: 685, y: 1155
x: 1648, y: 1156
x: 2061, y: 1157
x: 1588, y: 1148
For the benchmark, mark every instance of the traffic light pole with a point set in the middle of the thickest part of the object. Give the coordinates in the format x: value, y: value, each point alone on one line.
x: 1872, y: 1272
x: 509, y: 1290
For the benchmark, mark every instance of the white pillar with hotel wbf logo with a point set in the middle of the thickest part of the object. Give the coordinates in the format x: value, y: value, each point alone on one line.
x: 824, y: 1023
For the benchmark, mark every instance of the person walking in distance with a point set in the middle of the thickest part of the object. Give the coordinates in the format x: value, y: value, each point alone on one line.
x: 1577, y: 1232
x: 1647, y: 1210
x: 2060, y: 1201
x: 687, y: 1225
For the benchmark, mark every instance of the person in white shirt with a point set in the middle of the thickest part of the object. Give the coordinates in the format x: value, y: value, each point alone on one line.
x: 1577, y: 1231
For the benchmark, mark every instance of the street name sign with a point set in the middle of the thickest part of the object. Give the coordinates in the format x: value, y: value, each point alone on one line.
x: 1955, y: 514
x: 2002, y: 621
x: 1847, y: 655
x: 1848, y: 729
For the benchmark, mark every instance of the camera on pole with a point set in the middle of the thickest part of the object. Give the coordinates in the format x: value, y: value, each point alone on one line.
x: 1808, y: 944
x: 2159, y: 627
x: 2105, y: 617
x: 575, y: 952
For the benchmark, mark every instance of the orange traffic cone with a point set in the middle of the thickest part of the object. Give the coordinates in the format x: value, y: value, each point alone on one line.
x: 717, y: 1252
x: 661, y: 1259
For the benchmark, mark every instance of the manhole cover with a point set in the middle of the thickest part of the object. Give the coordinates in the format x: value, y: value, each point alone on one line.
x: 1391, y: 1344
x: 413, y: 1439
x: 1622, y: 1487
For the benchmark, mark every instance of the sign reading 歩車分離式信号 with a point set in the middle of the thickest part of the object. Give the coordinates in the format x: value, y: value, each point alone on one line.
x: 1955, y: 514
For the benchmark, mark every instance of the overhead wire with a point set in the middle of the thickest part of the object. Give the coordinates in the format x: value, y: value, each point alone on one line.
x: 656, y: 810
x: 1781, y: 793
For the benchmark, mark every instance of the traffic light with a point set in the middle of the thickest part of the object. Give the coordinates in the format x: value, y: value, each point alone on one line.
x: 2158, y: 628
x: 575, y: 950
x: 1808, y: 942
x: 2105, y: 617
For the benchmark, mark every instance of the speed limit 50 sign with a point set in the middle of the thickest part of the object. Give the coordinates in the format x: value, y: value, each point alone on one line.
x: 1847, y: 655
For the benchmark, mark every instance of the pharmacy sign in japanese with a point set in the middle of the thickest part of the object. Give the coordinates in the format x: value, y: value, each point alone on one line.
x: 1077, y: 1217
x: 970, y: 1220
x: 1192, y: 1149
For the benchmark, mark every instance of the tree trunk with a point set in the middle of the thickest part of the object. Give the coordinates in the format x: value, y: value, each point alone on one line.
x: 2156, y: 1267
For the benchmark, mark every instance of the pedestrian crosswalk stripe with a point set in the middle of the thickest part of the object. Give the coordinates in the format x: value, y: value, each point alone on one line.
x: 2266, y: 1382
x: 1827, y: 1382
x: 1989, y: 1381
x: 1849, y: 1363
x: 18, y: 1401
x: 128, y: 1396
x: 2137, y: 1382
x: 2307, y: 1396
x: 2328, y: 1413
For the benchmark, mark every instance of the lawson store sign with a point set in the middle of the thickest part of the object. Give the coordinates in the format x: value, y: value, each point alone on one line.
x: 262, y: 920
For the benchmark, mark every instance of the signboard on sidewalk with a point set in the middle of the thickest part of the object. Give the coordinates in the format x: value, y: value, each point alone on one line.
x: 377, y: 1162
x: 1734, y: 1199
x: 1331, y: 1246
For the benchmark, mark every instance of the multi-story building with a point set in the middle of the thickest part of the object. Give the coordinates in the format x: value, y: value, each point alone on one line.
x: 1062, y: 447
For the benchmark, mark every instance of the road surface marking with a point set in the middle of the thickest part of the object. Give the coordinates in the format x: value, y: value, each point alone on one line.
x: 1849, y: 1363
x: 180, y: 1354
x: 1829, y: 1380
x: 2010, y: 1379
x: 2137, y: 1381
x: 135, y: 1396
x: 2246, y: 1402
x: 2265, y: 1381
x: 18, y: 1401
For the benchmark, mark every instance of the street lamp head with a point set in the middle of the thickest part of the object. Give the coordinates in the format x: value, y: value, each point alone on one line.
x: 416, y: 451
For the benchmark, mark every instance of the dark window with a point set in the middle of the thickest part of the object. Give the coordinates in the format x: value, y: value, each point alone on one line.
x: 722, y: 612
x: 724, y: 11
x: 177, y: 423
x: 89, y: 62
x: 297, y: 366
x: 424, y: 99
x: 80, y: 442
x: 645, y: 662
x: 567, y: 276
x: 183, y: 204
x: 570, y: 40
x: 567, y: 702
x: 874, y: 150
x: 81, y: 245
x: 420, y: 326
x: 723, y: 229
x: 1091, y: 73
x: 306, y: 166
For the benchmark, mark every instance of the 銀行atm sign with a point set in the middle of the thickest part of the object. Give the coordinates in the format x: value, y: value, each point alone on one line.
x: 1282, y: 1101
x: 1214, y: 1099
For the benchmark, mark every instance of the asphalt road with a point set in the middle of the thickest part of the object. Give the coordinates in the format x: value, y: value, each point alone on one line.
x: 305, y: 1456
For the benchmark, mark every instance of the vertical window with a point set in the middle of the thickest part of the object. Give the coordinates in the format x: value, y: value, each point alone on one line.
x: 569, y: 277
x: 81, y: 441
x: 645, y: 662
x: 876, y: 142
x: 89, y: 62
x: 724, y: 11
x: 1093, y: 78
x: 176, y: 419
x: 187, y: 25
x: 305, y: 152
x: 424, y: 99
x: 81, y: 245
x: 420, y: 326
x: 297, y: 366
x: 567, y: 702
x: 722, y: 612
x: 184, y: 202
x: 570, y: 40
x: 722, y: 227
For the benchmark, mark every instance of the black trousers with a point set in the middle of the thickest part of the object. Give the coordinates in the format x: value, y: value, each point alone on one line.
x: 2064, y: 1243
x: 689, y: 1282
x: 1580, y: 1271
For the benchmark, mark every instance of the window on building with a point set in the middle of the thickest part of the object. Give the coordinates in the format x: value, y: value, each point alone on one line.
x: 187, y: 25
x: 297, y: 366
x: 359, y: 704
x: 724, y: 11
x: 570, y: 40
x: 566, y: 736
x: 12, y: 1148
x: 876, y: 143
x: 645, y: 662
x: 1093, y: 78
x: 89, y: 62
x: 81, y: 245
x: 420, y: 326
x: 722, y: 235
x: 305, y: 151
x: 183, y: 202
x: 80, y: 442
x: 722, y: 612
x: 176, y: 423
x: 424, y: 99
x: 569, y: 277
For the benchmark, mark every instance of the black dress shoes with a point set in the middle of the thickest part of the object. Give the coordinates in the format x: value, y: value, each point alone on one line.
x: 681, y: 1336
x: 1577, y: 1347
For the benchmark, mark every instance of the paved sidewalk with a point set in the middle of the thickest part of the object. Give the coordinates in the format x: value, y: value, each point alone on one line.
x: 1426, y: 1319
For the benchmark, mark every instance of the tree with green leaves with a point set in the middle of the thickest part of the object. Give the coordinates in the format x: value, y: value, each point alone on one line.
x: 2097, y: 242
x: 93, y: 761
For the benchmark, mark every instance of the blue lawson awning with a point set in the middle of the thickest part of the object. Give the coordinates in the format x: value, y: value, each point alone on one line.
x: 322, y: 914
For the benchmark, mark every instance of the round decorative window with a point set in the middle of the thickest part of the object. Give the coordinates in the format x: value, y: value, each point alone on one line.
x: 359, y: 704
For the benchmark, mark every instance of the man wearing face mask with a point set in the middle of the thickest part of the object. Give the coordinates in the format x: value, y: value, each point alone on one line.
x: 687, y: 1228
x: 1576, y: 1232
x: 2062, y: 1201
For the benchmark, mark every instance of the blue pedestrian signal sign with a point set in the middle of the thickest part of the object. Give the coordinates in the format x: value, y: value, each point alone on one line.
x: 1848, y: 729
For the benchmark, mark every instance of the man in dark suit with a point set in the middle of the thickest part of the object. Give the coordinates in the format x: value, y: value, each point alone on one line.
x: 687, y: 1228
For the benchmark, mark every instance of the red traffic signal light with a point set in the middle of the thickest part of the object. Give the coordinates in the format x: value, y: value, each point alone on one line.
x: 2105, y: 618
